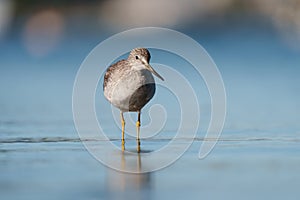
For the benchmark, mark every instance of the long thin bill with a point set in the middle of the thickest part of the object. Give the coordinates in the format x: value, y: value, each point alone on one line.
x: 154, y: 72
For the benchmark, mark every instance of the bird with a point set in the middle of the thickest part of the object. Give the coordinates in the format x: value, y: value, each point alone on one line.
x: 129, y: 85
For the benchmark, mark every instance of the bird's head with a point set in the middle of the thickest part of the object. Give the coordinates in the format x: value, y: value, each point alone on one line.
x: 140, y: 58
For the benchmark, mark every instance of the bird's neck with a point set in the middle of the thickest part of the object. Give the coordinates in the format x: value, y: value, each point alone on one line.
x: 138, y: 67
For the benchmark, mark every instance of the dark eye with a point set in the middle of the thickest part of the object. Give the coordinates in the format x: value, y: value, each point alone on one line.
x: 136, y: 57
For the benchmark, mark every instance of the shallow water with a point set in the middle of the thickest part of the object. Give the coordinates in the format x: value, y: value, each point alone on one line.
x: 60, y: 167
x: 257, y: 156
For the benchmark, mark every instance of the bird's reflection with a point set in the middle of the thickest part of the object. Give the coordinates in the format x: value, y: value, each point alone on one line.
x: 122, y: 185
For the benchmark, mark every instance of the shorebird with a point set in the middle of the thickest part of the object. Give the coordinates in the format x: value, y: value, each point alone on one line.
x: 129, y: 85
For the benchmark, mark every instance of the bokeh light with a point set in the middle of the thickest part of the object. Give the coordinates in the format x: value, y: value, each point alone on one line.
x: 6, y: 15
x: 133, y: 13
x: 285, y: 15
x: 43, y: 31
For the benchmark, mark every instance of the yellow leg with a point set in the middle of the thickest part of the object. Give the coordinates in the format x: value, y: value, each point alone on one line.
x: 123, y: 130
x: 138, y: 125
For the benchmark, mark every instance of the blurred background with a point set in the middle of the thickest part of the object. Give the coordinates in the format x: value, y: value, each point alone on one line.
x: 256, y: 46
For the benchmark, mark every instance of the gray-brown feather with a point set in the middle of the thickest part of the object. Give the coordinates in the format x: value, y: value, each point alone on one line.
x: 119, y: 73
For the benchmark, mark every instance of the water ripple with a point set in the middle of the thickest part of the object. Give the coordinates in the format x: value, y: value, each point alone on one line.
x: 67, y: 139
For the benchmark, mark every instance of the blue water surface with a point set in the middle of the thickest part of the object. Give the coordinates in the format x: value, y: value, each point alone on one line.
x: 257, y: 157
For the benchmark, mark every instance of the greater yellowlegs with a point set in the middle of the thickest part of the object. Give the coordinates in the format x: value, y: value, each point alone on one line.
x: 129, y: 85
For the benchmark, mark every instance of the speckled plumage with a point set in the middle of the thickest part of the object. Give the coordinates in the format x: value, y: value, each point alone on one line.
x: 127, y: 84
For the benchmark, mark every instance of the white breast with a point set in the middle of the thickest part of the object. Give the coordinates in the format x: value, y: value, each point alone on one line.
x: 120, y: 92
